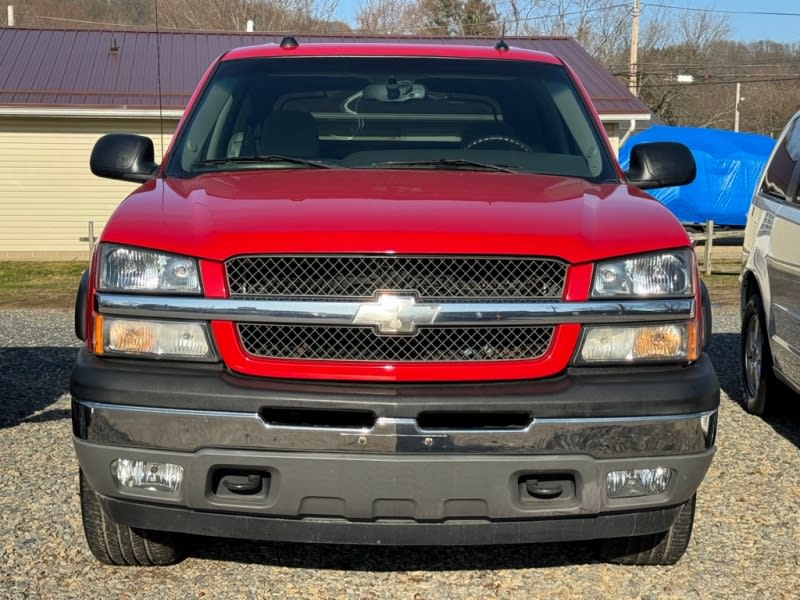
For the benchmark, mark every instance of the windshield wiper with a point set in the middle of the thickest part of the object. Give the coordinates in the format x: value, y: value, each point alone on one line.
x: 445, y: 163
x: 263, y: 159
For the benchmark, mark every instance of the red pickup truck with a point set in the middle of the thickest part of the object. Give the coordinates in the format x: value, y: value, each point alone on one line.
x: 391, y: 294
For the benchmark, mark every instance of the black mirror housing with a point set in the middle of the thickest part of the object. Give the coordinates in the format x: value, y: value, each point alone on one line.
x: 124, y: 156
x: 661, y: 164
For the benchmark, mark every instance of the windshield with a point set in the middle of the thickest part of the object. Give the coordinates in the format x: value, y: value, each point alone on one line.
x: 391, y: 113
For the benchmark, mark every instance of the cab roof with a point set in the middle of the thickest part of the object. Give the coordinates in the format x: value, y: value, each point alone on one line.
x: 290, y: 47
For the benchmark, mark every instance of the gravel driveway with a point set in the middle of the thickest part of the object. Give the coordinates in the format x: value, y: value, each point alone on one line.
x: 746, y: 542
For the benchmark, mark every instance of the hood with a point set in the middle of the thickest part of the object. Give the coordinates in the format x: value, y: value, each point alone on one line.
x: 216, y: 216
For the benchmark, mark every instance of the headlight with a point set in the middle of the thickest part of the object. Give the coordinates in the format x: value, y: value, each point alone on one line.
x: 152, y: 339
x: 124, y: 269
x: 664, y: 274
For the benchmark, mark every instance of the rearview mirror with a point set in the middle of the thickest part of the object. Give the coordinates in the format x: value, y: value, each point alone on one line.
x: 661, y: 164
x: 394, y: 91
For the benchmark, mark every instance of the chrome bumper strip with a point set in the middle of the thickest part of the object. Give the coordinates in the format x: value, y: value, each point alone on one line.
x: 309, y: 312
x: 190, y: 430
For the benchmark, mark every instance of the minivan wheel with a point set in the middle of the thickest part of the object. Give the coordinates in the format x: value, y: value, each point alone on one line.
x: 755, y: 359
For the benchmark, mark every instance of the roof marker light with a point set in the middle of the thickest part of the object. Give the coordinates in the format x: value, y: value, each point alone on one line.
x: 289, y: 42
x: 501, y: 45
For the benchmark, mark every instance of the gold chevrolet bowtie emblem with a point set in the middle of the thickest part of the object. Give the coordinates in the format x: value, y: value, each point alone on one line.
x: 396, y: 314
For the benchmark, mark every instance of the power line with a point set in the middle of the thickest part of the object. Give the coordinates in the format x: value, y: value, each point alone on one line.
x: 421, y: 28
x: 83, y: 22
x: 726, y: 12
x: 729, y: 82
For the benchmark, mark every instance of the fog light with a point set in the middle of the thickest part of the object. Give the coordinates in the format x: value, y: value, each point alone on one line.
x: 145, y: 475
x: 638, y: 482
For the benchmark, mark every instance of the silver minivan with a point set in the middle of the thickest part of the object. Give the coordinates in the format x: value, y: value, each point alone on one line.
x: 770, y: 282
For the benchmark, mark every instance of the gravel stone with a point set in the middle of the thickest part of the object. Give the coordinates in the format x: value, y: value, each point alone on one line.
x: 746, y: 542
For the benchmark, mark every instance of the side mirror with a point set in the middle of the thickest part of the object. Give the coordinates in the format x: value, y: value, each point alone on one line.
x: 661, y: 164
x: 123, y: 156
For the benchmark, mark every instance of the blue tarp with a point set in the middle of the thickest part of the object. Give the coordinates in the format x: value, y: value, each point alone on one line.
x: 728, y: 167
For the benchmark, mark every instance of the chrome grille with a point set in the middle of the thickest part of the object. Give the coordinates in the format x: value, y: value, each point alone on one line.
x: 364, y: 344
x: 430, y: 277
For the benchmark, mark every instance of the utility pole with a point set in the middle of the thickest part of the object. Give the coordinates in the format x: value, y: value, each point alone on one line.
x: 633, y: 78
x: 736, y: 107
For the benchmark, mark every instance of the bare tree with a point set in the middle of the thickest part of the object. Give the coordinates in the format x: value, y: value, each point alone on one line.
x: 689, y: 45
x: 220, y: 15
x: 600, y: 26
x: 82, y: 13
x: 458, y: 17
x: 388, y: 16
x: 232, y: 15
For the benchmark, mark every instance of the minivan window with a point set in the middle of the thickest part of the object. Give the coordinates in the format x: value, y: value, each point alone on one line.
x: 778, y: 177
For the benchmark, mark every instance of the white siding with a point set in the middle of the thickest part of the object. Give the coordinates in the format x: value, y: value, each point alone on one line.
x: 612, y: 131
x: 47, y: 193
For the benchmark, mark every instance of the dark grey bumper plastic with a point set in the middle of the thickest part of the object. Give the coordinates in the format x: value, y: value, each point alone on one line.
x: 398, y: 533
x: 307, y: 492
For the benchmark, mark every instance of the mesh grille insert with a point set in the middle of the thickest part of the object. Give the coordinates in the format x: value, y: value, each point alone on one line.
x: 431, y: 277
x: 363, y: 344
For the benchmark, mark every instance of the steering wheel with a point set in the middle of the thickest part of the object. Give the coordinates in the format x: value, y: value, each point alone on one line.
x: 495, y: 140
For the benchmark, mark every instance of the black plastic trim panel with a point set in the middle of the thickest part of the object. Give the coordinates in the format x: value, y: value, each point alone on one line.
x: 585, y: 392
x: 388, y: 533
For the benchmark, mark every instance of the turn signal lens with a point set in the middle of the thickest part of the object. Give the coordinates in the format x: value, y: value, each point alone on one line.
x: 152, y: 339
x: 131, y: 336
x: 693, y: 345
x: 629, y: 344
x: 657, y: 342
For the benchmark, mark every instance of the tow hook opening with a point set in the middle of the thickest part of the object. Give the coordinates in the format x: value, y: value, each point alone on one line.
x: 240, y: 483
x: 535, y: 488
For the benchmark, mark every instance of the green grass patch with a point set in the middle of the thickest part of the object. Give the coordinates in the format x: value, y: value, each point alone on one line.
x: 723, y: 288
x: 721, y: 279
x: 33, y: 284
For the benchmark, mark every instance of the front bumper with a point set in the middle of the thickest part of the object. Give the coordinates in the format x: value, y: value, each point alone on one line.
x: 395, y: 481
x: 405, y: 500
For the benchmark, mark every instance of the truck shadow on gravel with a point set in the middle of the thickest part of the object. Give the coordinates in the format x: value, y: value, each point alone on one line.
x: 787, y: 424
x: 394, y: 559
x: 724, y: 351
x: 31, y: 380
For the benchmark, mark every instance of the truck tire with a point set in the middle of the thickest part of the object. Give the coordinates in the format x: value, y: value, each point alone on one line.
x: 120, y: 545
x: 758, y: 383
x: 665, y: 548
x: 707, y: 316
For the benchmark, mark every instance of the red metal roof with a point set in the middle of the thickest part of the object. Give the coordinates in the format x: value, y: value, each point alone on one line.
x: 71, y: 68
